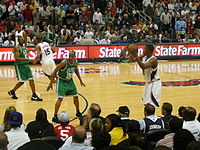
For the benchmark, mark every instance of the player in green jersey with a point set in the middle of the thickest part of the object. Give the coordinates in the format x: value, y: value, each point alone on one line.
x: 23, y: 70
x: 64, y: 83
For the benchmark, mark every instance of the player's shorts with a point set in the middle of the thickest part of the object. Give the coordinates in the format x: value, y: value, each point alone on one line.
x: 65, y: 88
x: 23, y: 72
x: 48, y: 67
x: 152, y: 93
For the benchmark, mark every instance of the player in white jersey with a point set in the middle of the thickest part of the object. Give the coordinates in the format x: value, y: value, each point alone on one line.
x: 45, y: 55
x: 149, y: 64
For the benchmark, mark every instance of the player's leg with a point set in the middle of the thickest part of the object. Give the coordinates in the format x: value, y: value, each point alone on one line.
x: 76, y: 103
x: 19, y: 69
x: 56, y: 109
x: 147, y: 94
x: 34, y: 95
x: 156, y: 93
x: 12, y: 92
x: 73, y: 92
x: 29, y: 76
x: 61, y: 90
x: 48, y: 67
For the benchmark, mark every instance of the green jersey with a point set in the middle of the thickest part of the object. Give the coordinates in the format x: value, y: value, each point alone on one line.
x: 23, y: 54
x: 68, y: 71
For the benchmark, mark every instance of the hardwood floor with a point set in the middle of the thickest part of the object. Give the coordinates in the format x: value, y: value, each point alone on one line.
x: 103, y: 86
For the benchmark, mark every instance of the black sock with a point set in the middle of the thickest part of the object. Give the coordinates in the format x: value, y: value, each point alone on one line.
x: 34, y: 94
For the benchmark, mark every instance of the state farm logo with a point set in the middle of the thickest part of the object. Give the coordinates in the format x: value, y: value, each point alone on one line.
x: 6, y: 56
x: 109, y: 52
x: 64, y: 53
x: 179, y: 50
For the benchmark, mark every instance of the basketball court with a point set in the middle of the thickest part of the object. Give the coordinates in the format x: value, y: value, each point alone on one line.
x: 104, y: 85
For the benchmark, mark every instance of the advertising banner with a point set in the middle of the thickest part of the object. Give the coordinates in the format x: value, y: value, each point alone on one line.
x: 109, y: 51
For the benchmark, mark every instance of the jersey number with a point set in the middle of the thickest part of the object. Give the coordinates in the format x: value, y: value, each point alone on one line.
x: 64, y: 134
x: 47, y: 51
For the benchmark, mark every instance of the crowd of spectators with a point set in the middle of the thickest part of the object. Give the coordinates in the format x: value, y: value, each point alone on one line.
x: 99, y: 22
x: 116, y: 131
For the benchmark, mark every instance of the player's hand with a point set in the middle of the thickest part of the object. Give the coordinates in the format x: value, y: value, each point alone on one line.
x: 50, y: 86
x: 82, y: 84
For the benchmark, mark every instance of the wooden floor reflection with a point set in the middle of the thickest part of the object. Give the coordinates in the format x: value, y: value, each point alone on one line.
x: 103, y: 86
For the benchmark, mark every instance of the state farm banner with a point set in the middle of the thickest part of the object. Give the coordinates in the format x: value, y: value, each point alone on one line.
x: 6, y: 54
x: 105, y: 51
x: 109, y: 51
x: 177, y: 50
x: 82, y: 52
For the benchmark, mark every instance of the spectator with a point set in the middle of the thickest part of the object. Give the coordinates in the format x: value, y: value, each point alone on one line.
x: 181, y: 138
x: 16, y: 136
x: 194, y: 145
x: 36, y: 16
x: 9, y: 42
x: 2, y: 10
x: 97, y: 16
x: 61, y: 14
x: 28, y: 14
x: 93, y: 112
x: 114, y: 128
x: 150, y: 122
x: 64, y: 130
x: 35, y: 133
x: 175, y: 124
x: 132, y: 129
x: 106, y: 40
x: 124, y: 113
x: 47, y: 128
x: 180, y: 112
x: 12, y: 9
x: 180, y: 27
x: 3, y: 141
x: 77, y: 38
x: 190, y: 123
x: 165, y: 19
x: 6, y: 126
x: 197, y: 25
x: 101, y: 140
x: 158, y: 11
x: 89, y: 34
x: 45, y: 14
x: 166, y: 111
x: 78, y: 139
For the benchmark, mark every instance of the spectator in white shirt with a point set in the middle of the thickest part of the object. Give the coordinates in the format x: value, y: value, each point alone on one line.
x: 16, y: 136
x: 12, y: 10
x: 89, y: 34
x: 105, y: 40
x: 97, y: 16
x: 9, y: 42
x: 190, y: 122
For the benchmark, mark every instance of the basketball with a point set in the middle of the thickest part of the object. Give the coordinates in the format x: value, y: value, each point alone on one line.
x: 132, y: 49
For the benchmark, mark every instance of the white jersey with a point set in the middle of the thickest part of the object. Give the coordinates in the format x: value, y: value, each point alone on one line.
x: 152, y: 91
x: 17, y: 34
x: 150, y: 74
x: 46, y: 52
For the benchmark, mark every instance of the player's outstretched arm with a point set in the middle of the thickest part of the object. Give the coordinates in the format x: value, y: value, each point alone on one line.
x: 78, y: 75
x: 53, y: 76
